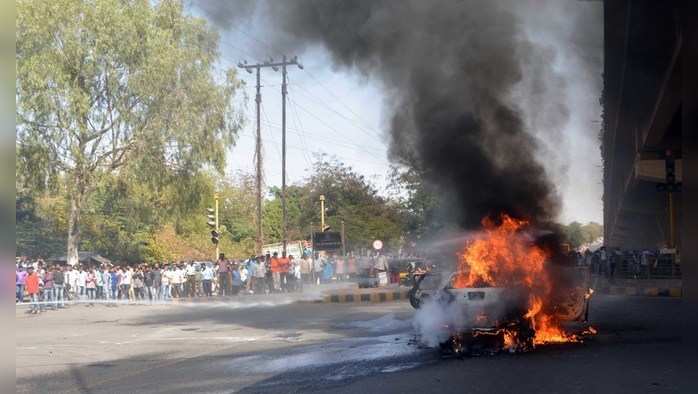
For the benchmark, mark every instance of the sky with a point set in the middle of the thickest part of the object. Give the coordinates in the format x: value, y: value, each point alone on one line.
x: 339, y: 114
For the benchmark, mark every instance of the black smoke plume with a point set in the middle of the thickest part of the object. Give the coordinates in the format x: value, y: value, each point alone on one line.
x: 449, y: 69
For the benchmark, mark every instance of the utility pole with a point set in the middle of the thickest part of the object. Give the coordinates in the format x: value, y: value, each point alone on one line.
x: 322, y: 213
x: 275, y: 66
x: 218, y: 231
x: 284, y: 225
x: 258, y: 154
x: 284, y: 92
x: 344, y: 248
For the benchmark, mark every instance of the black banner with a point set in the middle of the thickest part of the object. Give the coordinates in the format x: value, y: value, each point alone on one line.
x: 329, y: 240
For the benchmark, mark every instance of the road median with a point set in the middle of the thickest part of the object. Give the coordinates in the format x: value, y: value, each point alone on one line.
x: 640, y: 291
x: 639, y: 287
x: 366, y: 295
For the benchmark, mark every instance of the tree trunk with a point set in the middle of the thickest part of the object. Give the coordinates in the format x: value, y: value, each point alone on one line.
x: 76, y: 198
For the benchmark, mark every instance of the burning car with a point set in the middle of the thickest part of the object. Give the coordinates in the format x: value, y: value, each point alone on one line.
x: 491, y: 319
x: 507, y: 294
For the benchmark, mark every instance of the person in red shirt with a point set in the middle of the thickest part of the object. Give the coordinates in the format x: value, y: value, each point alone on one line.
x: 33, y: 288
x: 284, y: 265
x: 276, y: 271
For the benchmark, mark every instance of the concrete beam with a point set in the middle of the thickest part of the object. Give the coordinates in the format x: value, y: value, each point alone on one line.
x: 667, y: 103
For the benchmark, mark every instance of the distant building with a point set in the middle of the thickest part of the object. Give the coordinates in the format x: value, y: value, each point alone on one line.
x: 88, y: 258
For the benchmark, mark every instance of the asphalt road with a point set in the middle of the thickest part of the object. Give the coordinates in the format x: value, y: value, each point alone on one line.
x: 275, y: 346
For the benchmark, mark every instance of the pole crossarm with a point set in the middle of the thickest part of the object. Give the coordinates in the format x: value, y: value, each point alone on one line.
x: 271, y: 63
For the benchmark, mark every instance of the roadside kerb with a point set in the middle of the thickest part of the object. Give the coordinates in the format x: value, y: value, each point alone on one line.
x: 640, y: 291
x: 373, y: 295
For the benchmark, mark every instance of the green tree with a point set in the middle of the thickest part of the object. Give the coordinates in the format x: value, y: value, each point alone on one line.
x: 574, y: 234
x: 272, y: 220
x: 592, y: 231
x: 238, y: 207
x: 351, y: 198
x: 104, y: 83
x: 417, y: 201
x: 577, y: 234
x: 36, y: 235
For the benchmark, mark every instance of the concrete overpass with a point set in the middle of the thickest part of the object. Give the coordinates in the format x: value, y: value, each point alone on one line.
x: 649, y: 120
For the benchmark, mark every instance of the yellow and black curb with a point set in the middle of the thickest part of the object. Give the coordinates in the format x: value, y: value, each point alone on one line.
x: 640, y: 291
x: 366, y: 296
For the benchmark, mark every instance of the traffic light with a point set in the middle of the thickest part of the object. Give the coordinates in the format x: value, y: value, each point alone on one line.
x: 215, y: 237
x: 670, y: 168
x: 211, y: 216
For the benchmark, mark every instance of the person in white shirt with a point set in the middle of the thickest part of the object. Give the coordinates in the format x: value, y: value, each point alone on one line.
x: 296, y: 263
x: 244, y: 274
x: 261, y: 269
x: 190, y: 280
x: 207, y: 276
x: 306, y: 268
x: 177, y: 280
x: 106, y: 279
x: 172, y: 273
x: 295, y: 273
x: 126, y: 283
x: 166, y: 283
x: 99, y: 283
x: 82, y: 280
x: 317, y: 268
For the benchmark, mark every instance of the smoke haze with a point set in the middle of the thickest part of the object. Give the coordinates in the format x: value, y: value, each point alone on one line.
x: 468, y: 94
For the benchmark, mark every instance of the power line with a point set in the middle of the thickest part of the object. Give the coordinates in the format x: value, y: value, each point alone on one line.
x: 367, y: 131
x: 329, y: 140
x: 329, y: 126
x: 268, y: 45
x: 239, y: 50
x: 304, y: 149
x: 268, y: 122
x: 297, y: 122
x: 336, y: 97
x: 300, y: 130
x: 272, y: 141
x: 327, y: 137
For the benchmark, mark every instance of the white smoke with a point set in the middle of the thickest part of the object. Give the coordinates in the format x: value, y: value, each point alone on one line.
x: 442, y: 316
x: 436, y: 320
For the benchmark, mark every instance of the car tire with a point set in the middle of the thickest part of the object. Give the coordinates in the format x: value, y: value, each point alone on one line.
x: 415, y: 297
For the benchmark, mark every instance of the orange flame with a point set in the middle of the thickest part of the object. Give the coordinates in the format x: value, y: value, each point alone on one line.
x: 509, y: 339
x: 502, y: 257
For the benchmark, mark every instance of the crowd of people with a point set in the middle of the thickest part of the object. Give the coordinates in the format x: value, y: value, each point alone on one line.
x: 614, y: 262
x: 49, y: 286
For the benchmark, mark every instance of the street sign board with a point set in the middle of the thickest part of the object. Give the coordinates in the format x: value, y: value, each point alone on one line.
x: 328, y: 240
x: 378, y: 244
